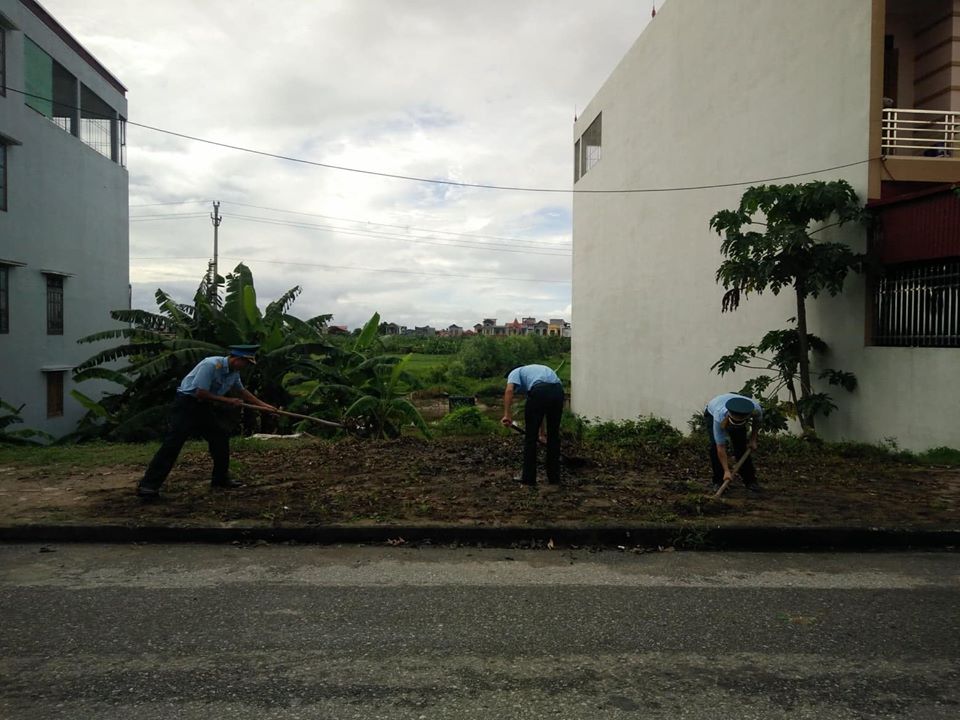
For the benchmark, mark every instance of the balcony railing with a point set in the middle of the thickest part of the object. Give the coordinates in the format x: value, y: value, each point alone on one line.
x: 923, y: 133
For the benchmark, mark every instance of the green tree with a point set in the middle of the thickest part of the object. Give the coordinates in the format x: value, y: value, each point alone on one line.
x: 368, y: 386
x: 785, y: 254
x: 160, y: 348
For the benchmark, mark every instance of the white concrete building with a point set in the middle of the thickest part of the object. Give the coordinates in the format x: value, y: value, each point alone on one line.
x: 742, y: 91
x: 64, y: 247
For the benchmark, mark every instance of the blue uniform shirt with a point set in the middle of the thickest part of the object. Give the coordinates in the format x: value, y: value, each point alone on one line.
x: 212, y: 374
x: 525, y: 377
x: 718, y: 409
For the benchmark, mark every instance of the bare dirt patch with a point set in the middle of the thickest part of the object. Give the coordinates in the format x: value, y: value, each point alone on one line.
x: 469, y: 482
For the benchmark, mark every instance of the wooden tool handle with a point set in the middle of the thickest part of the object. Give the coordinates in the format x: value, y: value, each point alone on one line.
x: 293, y: 415
x: 733, y: 472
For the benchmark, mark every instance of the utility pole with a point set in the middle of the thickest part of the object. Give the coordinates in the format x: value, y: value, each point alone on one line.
x: 215, y: 218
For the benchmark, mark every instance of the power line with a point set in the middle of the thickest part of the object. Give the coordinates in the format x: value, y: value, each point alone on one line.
x: 385, y: 236
x: 513, y: 244
x: 363, y: 269
x: 406, y: 227
x: 451, y: 243
x: 479, y: 186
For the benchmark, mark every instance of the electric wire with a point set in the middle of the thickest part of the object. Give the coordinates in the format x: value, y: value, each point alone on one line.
x: 479, y: 186
x: 357, y: 267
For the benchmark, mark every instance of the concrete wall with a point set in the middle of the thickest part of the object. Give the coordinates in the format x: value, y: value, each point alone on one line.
x: 714, y: 93
x: 67, y: 212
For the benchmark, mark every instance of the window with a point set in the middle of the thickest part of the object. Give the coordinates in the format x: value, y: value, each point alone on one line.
x: 4, y: 300
x: 50, y: 89
x: 918, y: 304
x: 54, y: 393
x: 54, y: 305
x: 588, y: 148
x: 96, y: 122
x: 3, y: 176
x: 3, y: 60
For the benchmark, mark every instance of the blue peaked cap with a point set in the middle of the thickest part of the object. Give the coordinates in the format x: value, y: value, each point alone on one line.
x: 740, y: 406
x: 247, y: 352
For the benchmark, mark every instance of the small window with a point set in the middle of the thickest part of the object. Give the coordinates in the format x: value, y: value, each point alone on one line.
x: 576, y: 161
x: 97, y: 122
x: 50, y: 89
x: 54, y: 305
x: 3, y: 177
x: 4, y: 300
x: 54, y: 393
x: 588, y: 148
x: 918, y: 304
x: 3, y: 61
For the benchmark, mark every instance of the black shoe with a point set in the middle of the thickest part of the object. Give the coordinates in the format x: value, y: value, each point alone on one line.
x: 226, y: 484
x: 147, y: 493
x: 754, y: 488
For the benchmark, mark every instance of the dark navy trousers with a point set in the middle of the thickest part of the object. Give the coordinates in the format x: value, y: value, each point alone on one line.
x: 189, y: 417
x: 738, y: 438
x: 544, y: 400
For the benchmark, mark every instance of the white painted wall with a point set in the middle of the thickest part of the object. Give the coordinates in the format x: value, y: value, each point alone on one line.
x: 715, y: 93
x: 67, y: 212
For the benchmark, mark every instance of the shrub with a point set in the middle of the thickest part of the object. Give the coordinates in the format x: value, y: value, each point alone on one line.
x: 645, y: 430
x: 466, y: 421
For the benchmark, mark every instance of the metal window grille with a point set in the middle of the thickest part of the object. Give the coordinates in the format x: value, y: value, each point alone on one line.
x: 918, y: 305
x: 54, y: 394
x: 54, y: 305
x: 4, y: 300
x: 96, y: 122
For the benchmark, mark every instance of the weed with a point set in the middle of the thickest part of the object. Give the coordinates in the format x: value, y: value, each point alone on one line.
x: 466, y: 421
x: 940, y: 456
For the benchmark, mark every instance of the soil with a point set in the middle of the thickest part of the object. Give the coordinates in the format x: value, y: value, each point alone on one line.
x: 469, y: 482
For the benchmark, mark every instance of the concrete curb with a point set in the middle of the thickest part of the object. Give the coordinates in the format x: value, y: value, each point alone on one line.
x: 689, y: 537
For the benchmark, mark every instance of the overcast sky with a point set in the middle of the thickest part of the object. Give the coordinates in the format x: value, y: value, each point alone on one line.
x: 473, y: 91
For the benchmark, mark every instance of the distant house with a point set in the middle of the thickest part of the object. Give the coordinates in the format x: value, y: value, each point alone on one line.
x: 338, y: 330
x: 555, y: 327
x: 64, y: 212
x: 389, y: 329
x: 425, y: 331
x: 454, y: 331
x: 514, y: 328
x: 541, y: 328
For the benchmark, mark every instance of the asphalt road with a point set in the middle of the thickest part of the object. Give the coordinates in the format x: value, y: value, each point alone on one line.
x: 217, y: 632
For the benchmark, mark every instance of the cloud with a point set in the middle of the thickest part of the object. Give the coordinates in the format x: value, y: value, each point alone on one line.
x: 442, y: 89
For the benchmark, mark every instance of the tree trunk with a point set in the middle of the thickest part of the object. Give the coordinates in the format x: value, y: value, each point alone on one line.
x: 806, y: 420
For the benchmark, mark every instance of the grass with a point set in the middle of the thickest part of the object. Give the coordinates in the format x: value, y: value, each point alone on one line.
x: 83, y: 456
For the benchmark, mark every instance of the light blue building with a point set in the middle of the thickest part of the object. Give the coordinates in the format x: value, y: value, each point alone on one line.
x: 64, y: 244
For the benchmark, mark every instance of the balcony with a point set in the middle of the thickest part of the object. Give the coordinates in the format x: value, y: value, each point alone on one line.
x: 919, y: 146
x: 920, y: 133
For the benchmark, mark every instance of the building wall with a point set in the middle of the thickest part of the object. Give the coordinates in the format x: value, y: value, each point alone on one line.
x: 67, y: 212
x: 714, y: 93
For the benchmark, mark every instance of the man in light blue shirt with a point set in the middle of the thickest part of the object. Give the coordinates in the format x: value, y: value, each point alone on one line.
x: 726, y: 417
x: 545, y: 398
x: 204, y: 388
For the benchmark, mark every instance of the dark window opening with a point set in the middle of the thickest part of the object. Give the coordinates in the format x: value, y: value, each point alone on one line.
x: 918, y: 304
x: 4, y: 300
x: 54, y: 305
x: 54, y: 394
x: 3, y: 176
x: 588, y: 147
x: 50, y: 89
x: 3, y: 61
x: 96, y: 122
